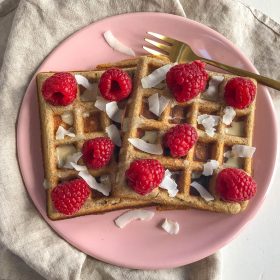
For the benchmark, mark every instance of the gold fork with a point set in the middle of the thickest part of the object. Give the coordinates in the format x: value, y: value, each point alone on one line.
x: 181, y: 52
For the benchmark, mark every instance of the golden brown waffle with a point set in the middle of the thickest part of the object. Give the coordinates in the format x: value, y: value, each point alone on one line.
x: 206, y: 148
x: 89, y: 122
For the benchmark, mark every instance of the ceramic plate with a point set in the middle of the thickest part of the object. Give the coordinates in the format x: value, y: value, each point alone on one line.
x: 143, y: 244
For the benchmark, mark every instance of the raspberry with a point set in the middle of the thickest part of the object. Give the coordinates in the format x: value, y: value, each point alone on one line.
x: 180, y: 139
x: 239, y: 92
x: 97, y: 152
x: 144, y: 175
x: 115, y: 84
x: 70, y: 196
x: 60, y: 89
x: 234, y: 184
x: 186, y: 81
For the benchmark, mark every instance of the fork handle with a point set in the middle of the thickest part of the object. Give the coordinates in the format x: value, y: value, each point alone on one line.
x: 240, y: 72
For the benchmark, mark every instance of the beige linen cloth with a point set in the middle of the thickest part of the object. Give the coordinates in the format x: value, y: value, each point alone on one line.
x: 29, y: 30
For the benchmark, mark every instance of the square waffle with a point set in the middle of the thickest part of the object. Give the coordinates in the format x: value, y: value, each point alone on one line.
x: 205, y: 149
x: 88, y: 122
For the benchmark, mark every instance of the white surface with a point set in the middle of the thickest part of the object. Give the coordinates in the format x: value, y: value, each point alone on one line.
x: 269, y: 7
x: 255, y: 254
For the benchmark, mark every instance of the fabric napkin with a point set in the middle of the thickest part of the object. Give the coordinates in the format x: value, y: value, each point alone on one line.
x: 29, y: 31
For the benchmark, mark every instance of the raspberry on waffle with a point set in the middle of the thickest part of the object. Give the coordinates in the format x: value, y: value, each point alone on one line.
x: 88, y: 122
x: 207, y: 148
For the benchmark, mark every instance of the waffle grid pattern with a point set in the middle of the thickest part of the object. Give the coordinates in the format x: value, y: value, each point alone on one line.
x: 189, y: 111
x: 88, y: 122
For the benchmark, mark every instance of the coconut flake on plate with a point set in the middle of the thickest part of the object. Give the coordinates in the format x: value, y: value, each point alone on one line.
x: 114, y: 134
x: 113, y: 111
x: 156, y: 76
x: 150, y: 136
x: 208, y: 122
x: 169, y: 184
x: 229, y: 114
x: 242, y: 151
x: 170, y: 226
x: 155, y: 149
x: 62, y: 132
x: 67, y: 117
x: 132, y: 215
x: 157, y: 104
x: 202, y: 191
x: 115, y: 44
x: 209, y: 167
x: 91, y: 181
x: 213, y: 88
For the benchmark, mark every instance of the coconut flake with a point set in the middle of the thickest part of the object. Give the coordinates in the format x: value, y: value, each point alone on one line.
x: 91, y: 181
x: 202, y: 191
x: 67, y: 117
x: 91, y: 88
x: 115, y: 44
x: 208, y: 122
x: 156, y: 76
x: 62, y: 132
x: 213, y: 88
x: 170, y: 226
x: 114, y: 134
x: 132, y: 215
x: 209, y: 167
x: 155, y: 149
x: 169, y: 184
x: 229, y: 114
x: 150, y: 136
x: 62, y: 152
x: 227, y: 154
x: 113, y: 111
x: 73, y: 158
x: 157, y: 104
x: 243, y: 151
x: 110, y: 108
x: 100, y: 103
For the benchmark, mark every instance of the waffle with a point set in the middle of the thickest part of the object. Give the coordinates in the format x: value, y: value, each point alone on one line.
x: 206, y: 147
x: 89, y: 122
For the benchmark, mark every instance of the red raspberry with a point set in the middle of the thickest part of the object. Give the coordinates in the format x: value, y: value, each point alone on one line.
x: 144, y: 175
x: 70, y: 196
x: 234, y: 184
x: 60, y: 89
x: 186, y: 81
x: 97, y: 152
x: 239, y: 92
x: 180, y: 139
x: 115, y: 84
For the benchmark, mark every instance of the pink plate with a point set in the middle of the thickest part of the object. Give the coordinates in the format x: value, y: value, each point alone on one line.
x: 143, y: 244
